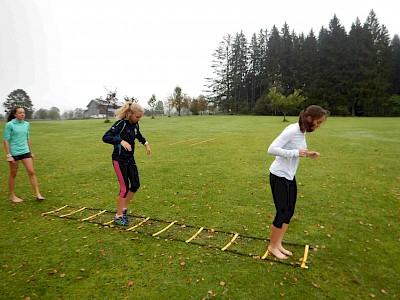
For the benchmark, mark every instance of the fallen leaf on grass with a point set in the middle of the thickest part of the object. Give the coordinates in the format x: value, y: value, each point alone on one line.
x: 190, y: 280
x: 222, y: 283
x: 130, y: 283
x: 383, y: 291
x: 53, y: 272
x: 102, y: 252
x: 183, y: 265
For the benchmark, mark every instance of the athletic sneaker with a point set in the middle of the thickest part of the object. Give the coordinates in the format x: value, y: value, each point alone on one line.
x: 121, y: 221
x: 125, y: 215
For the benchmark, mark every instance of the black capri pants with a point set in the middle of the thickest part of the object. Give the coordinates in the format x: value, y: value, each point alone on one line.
x: 128, y: 177
x: 284, y: 193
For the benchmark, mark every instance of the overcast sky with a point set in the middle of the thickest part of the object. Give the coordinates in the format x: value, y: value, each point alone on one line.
x: 64, y: 53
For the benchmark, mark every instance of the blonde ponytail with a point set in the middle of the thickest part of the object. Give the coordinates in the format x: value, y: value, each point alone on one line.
x: 128, y: 107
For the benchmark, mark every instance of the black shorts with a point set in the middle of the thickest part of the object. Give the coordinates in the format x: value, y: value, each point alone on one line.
x: 22, y: 156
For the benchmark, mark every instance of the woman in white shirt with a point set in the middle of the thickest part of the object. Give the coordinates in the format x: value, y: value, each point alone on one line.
x: 288, y: 147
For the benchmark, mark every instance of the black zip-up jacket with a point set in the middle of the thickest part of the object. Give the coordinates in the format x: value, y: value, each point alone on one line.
x: 123, y: 130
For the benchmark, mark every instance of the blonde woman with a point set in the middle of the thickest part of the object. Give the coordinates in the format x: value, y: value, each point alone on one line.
x: 122, y: 135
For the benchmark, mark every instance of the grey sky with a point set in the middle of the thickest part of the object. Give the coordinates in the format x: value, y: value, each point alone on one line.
x: 64, y: 53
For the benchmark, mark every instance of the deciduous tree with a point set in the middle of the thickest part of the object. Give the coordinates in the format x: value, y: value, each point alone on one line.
x: 19, y: 98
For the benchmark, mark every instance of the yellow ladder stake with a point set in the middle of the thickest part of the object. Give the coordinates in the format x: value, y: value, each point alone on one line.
x: 265, y: 255
x: 137, y: 225
x: 230, y: 243
x: 53, y: 211
x: 162, y: 230
x: 196, y: 234
x: 94, y: 216
x: 71, y: 213
x: 303, y: 264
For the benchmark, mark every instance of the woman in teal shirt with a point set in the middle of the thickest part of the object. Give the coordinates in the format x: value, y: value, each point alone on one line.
x: 18, y: 148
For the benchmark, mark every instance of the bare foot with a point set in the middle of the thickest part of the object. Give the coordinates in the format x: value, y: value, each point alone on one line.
x: 16, y: 199
x: 284, y: 251
x: 39, y: 197
x: 278, y: 254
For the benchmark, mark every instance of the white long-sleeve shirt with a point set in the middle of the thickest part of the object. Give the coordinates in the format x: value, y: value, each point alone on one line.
x: 286, y: 149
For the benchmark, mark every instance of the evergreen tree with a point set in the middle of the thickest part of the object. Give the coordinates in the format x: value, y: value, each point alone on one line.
x: 380, y: 71
x: 220, y: 86
x: 286, y: 61
x: 395, y: 44
x: 333, y: 72
x: 274, y: 51
x: 307, y: 67
x: 349, y: 74
x: 255, y: 69
x: 19, y: 98
x: 361, y: 65
x: 239, y: 69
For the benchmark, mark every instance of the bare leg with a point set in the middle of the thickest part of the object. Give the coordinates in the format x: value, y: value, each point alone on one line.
x: 28, y: 163
x: 276, y: 241
x: 120, y: 205
x: 128, y: 198
x: 11, y: 181
x: 280, y: 247
x: 123, y: 202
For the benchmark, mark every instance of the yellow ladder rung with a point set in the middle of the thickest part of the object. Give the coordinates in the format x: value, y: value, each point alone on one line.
x: 73, y: 212
x: 94, y: 216
x: 53, y: 211
x: 194, y: 236
x: 230, y: 243
x: 265, y: 254
x: 164, y: 229
x: 109, y: 222
x: 137, y: 225
x: 303, y: 264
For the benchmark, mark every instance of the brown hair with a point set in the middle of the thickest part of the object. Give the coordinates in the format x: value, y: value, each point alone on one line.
x: 313, y: 111
x: 13, y: 111
x: 123, y: 111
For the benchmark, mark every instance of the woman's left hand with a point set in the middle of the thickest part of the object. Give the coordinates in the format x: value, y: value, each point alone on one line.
x: 148, y: 150
x: 313, y: 154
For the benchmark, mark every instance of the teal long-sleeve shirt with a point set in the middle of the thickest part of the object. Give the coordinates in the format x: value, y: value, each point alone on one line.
x: 16, y: 133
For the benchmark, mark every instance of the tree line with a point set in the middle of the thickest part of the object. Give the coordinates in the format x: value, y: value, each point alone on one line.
x: 355, y: 73
x: 176, y: 103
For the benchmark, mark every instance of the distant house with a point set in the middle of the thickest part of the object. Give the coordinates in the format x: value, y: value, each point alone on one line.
x: 96, y: 109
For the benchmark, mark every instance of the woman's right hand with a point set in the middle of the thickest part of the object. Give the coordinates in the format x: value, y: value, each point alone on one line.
x: 126, y: 145
x: 303, y: 152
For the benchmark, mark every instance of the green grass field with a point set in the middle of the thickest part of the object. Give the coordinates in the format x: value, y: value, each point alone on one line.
x: 205, y: 171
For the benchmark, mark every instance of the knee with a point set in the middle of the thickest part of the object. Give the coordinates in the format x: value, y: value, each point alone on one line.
x: 282, y: 217
x: 31, y: 173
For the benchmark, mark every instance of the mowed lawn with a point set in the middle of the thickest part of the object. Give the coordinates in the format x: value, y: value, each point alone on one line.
x: 212, y: 172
